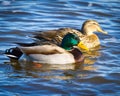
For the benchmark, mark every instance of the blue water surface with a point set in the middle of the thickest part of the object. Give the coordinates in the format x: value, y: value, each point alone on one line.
x: 99, y: 75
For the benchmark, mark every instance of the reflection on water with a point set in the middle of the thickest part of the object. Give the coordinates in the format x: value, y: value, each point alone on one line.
x: 47, y: 71
x: 20, y: 18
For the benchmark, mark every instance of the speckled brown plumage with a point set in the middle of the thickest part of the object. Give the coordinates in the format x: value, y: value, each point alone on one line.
x: 86, y: 34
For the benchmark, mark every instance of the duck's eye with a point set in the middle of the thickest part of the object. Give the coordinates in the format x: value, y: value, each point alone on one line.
x: 95, y: 23
x: 76, y: 38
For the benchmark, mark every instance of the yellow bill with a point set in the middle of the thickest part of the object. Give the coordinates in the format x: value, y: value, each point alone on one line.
x: 82, y: 46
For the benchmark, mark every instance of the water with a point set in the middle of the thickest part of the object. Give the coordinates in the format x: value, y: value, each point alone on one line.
x: 100, y: 73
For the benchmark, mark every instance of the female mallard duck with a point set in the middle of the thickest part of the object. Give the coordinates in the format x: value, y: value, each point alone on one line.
x: 50, y: 54
x: 86, y: 35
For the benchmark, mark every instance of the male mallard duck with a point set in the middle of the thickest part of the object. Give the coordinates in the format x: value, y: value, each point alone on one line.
x: 51, y: 54
x: 86, y: 35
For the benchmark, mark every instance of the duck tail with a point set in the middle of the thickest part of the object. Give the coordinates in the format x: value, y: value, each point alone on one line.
x: 13, y: 53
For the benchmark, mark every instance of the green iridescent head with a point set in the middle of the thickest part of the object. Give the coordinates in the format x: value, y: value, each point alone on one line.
x: 69, y: 41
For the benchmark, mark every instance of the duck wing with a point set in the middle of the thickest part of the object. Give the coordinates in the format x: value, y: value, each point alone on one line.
x: 47, y: 35
x: 27, y: 44
x: 56, y: 36
x: 43, y: 49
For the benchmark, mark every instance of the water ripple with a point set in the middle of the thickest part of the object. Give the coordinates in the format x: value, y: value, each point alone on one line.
x: 98, y: 76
